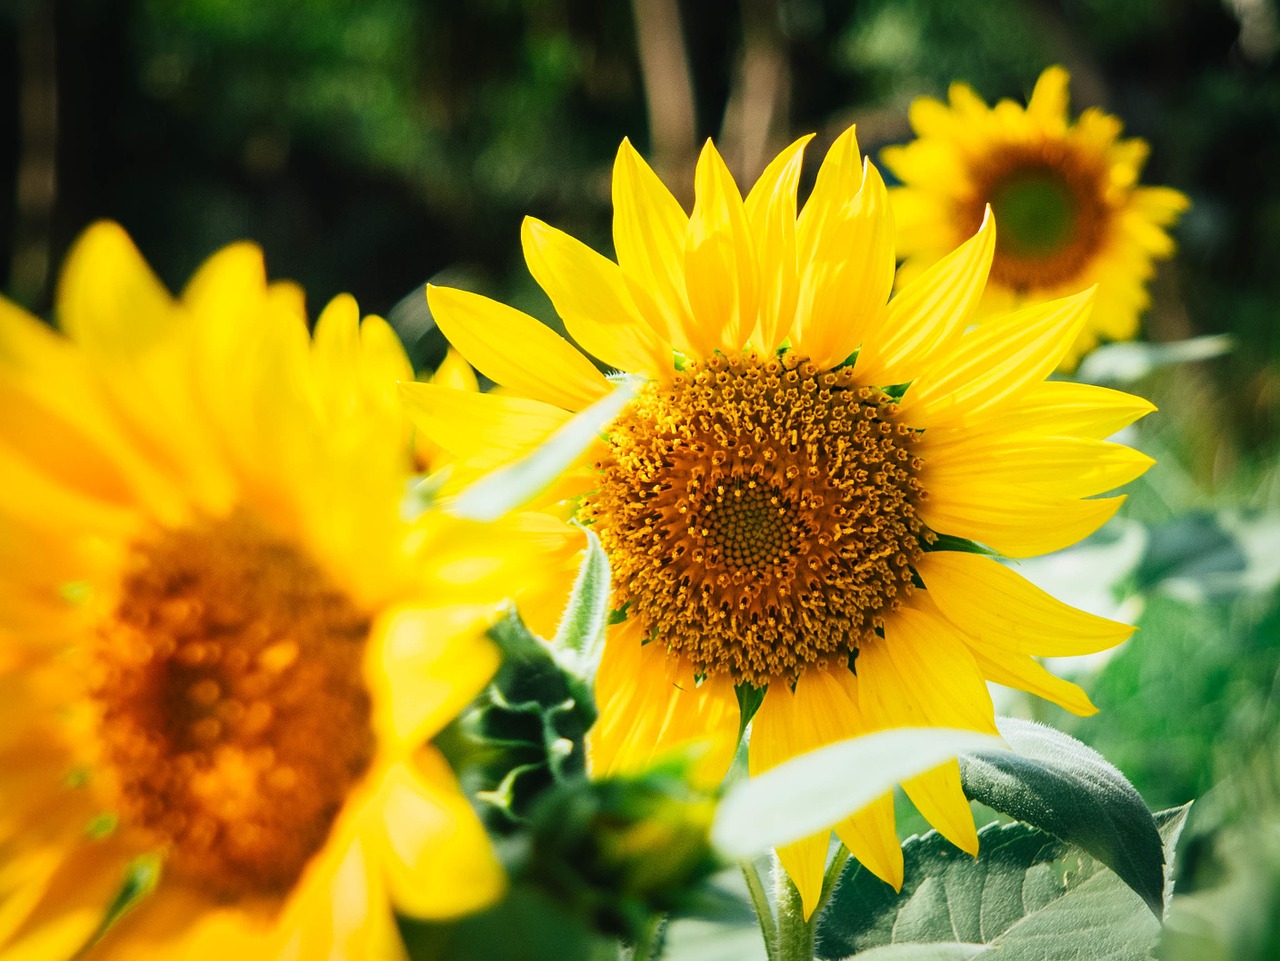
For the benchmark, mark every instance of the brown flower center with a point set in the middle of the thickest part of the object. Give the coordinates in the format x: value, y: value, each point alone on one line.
x: 1051, y: 211
x: 760, y: 514
x: 234, y: 716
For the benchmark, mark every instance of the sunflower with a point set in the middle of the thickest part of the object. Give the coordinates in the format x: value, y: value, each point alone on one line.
x: 792, y: 502
x: 222, y: 649
x: 1066, y: 196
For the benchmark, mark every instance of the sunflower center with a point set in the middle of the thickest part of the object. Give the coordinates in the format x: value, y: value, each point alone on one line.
x: 1035, y: 211
x: 234, y: 718
x: 760, y: 514
x: 1051, y: 213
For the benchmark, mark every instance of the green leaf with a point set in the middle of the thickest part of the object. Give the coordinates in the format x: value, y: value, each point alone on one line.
x: 1052, y: 781
x: 1126, y: 362
x: 525, y: 926
x: 948, y: 951
x: 1028, y: 897
x: 815, y: 790
x: 505, y: 489
x: 582, y: 626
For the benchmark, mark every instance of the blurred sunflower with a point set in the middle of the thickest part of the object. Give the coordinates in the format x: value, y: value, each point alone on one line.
x: 784, y: 500
x: 222, y: 649
x: 1066, y: 196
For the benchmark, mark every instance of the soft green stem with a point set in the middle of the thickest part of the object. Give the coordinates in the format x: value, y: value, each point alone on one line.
x: 646, y: 945
x: 764, y: 910
x: 795, y: 934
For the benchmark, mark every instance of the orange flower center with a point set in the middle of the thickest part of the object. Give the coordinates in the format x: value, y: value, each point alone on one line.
x: 760, y: 514
x: 234, y: 719
x: 1052, y: 216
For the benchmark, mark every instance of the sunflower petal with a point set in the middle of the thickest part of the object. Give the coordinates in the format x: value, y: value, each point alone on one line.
x: 721, y: 275
x: 513, y: 349
x: 995, y: 362
x: 590, y: 294
x: 999, y: 608
x: 927, y: 313
x: 438, y: 858
x: 649, y: 229
x: 771, y: 211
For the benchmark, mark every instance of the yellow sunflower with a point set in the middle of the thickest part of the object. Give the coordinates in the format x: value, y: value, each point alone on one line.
x: 785, y: 500
x: 222, y: 649
x: 1066, y: 196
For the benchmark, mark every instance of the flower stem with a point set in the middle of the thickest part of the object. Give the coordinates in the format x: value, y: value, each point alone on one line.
x: 795, y: 934
x: 764, y: 910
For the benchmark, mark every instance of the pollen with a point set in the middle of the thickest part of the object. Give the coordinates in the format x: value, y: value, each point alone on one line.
x: 1050, y: 205
x: 760, y: 514
x: 233, y: 716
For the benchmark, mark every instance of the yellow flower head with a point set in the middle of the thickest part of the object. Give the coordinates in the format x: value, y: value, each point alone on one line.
x: 1065, y: 196
x: 222, y: 649
x: 783, y: 503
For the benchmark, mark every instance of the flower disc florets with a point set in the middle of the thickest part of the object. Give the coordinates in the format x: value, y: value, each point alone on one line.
x: 233, y: 711
x: 760, y: 513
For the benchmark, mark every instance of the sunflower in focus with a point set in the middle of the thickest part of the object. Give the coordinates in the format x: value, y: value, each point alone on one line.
x: 790, y: 503
x: 1066, y: 196
x: 222, y: 649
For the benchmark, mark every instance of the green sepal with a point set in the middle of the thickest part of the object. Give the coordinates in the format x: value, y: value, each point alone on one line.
x: 947, y: 542
x: 526, y: 732
x: 750, y: 698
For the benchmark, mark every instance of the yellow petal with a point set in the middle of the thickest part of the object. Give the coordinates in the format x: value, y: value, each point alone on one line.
x: 651, y: 707
x: 839, y: 179
x: 649, y: 230
x: 921, y: 674
x: 845, y: 283
x: 590, y: 294
x: 821, y: 711
x: 1014, y: 522
x: 425, y: 665
x: 1048, y: 103
x: 1054, y: 466
x: 108, y: 299
x: 454, y: 372
x: 1064, y: 407
x: 771, y: 211
x: 1026, y: 674
x: 995, y: 361
x: 938, y: 796
x: 438, y: 859
x: 721, y: 275
x: 483, y: 430
x: 925, y: 316
x: 998, y: 608
x: 870, y: 834
x: 513, y: 349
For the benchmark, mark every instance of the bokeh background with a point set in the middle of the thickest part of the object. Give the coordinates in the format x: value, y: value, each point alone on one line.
x: 372, y: 145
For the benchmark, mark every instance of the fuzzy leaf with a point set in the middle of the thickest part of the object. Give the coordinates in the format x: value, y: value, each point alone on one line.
x: 1028, y: 897
x: 1052, y: 781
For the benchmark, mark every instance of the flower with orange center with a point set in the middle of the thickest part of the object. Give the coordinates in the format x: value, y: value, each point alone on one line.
x: 223, y: 650
x: 1066, y: 196
x: 788, y: 503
